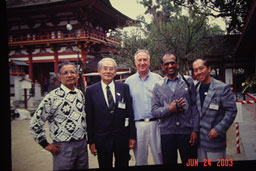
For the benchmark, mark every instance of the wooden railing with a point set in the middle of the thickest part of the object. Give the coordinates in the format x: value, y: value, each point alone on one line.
x: 59, y: 35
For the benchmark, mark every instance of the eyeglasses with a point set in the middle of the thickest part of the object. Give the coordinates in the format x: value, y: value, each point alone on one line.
x: 168, y: 63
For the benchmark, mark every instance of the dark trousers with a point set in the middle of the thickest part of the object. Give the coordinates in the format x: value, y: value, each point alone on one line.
x: 170, y: 143
x: 121, y: 154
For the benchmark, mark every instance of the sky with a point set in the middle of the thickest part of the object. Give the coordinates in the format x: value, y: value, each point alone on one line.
x: 132, y: 9
x: 129, y: 7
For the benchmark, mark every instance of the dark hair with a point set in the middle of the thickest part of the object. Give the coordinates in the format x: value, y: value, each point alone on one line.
x: 169, y: 53
x: 65, y: 63
x: 206, y: 62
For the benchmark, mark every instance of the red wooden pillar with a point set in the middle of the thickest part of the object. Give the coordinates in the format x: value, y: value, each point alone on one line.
x: 30, y: 67
x: 56, y: 58
x: 85, y: 48
x: 56, y: 61
x: 84, y: 53
x: 30, y: 63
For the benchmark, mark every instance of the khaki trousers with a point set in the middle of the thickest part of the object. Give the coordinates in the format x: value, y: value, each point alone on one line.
x: 148, y: 134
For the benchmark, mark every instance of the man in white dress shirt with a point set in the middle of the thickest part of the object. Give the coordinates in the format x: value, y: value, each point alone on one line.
x: 141, y: 87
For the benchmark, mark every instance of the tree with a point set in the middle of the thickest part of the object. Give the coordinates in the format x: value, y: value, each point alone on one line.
x: 181, y: 34
x: 234, y: 12
x: 169, y: 30
x: 131, y: 42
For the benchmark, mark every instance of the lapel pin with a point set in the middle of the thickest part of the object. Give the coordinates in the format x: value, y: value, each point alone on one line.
x: 205, y: 93
x: 186, y: 89
x: 118, y: 94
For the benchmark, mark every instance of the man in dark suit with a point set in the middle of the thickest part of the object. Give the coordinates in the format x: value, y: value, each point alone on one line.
x: 110, y: 119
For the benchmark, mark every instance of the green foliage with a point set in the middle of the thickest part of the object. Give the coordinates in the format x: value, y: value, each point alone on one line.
x: 234, y: 12
x: 170, y: 30
x: 250, y: 84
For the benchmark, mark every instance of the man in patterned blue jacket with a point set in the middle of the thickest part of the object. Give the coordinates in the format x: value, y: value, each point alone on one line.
x: 174, y: 103
x: 64, y: 109
x: 217, y: 108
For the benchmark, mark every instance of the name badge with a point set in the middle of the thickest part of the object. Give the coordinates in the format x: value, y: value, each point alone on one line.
x: 126, y: 123
x: 121, y: 105
x: 214, y: 106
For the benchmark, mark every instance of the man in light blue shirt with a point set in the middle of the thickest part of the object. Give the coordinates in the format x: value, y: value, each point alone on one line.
x: 141, y: 87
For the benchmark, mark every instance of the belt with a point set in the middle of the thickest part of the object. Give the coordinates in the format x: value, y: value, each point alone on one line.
x: 146, y: 120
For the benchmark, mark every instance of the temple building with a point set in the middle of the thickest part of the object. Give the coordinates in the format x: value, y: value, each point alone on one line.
x: 233, y: 60
x: 43, y: 33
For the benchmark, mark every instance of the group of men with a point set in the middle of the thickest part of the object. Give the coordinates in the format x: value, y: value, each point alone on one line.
x: 166, y: 114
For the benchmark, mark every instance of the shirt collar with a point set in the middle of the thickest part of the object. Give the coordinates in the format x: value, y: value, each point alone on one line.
x: 175, y: 79
x: 111, y: 85
x: 149, y: 73
x: 67, y: 90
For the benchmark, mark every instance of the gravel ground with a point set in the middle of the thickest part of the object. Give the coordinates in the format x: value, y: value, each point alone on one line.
x: 29, y: 156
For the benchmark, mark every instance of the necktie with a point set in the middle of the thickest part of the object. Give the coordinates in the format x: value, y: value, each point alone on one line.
x: 110, y: 100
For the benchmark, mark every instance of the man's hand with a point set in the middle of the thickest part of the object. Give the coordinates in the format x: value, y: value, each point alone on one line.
x: 132, y: 143
x: 213, y: 133
x: 53, y: 148
x: 193, y: 138
x: 173, y: 106
x: 93, y: 149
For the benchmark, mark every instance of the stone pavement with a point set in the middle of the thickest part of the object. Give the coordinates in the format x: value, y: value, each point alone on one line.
x: 29, y: 156
x: 247, y: 130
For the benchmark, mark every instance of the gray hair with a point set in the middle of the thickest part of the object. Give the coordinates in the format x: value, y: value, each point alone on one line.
x: 106, y: 59
x: 141, y: 50
x: 65, y: 63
